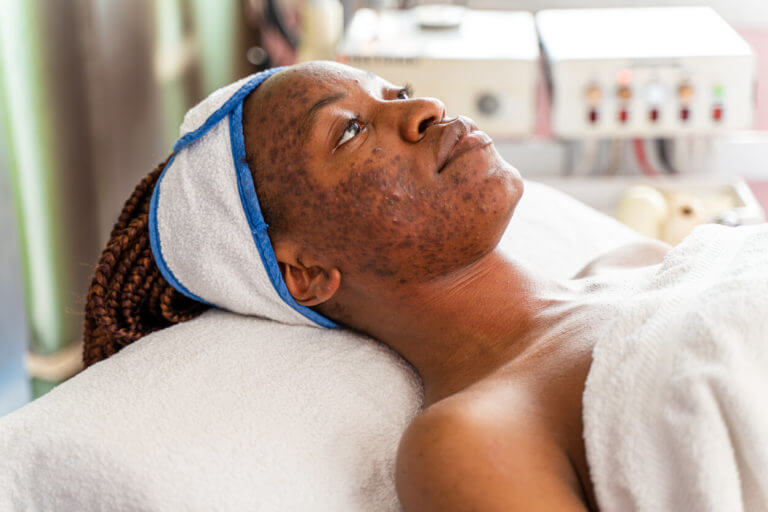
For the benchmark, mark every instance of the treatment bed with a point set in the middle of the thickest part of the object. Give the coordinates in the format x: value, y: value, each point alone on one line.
x: 227, y: 412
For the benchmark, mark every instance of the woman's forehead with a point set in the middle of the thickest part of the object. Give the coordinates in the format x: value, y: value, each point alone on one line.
x: 309, y: 81
x: 323, y: 71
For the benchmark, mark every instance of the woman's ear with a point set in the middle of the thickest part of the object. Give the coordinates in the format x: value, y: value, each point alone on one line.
x: 309, y: 284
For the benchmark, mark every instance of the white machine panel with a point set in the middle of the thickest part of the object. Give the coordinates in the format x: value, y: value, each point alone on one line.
x: 646, y: 72
x: 482, y: 64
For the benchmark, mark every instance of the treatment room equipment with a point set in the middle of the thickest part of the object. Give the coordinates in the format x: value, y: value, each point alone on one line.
x: 646, y: 72
x: 652, y: 91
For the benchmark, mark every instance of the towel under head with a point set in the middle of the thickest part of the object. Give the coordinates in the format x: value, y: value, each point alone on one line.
x: 207, y: 233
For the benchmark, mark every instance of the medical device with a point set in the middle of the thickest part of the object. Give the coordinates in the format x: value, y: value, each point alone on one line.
x: 666, y: 207
x: 483, y: 64
x: 646, y: 72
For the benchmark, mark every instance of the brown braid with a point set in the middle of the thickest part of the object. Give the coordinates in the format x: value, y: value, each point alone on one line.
x: 128, y: 297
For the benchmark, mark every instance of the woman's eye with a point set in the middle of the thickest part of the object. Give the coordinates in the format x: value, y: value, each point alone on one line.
x: 352, y: 129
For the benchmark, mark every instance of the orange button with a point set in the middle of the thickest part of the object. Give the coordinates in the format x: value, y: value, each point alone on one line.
x: 624, y: 92
x: 594, y: 94
x: 685, y: 92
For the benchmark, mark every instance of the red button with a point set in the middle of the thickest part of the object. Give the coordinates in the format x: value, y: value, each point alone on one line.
x: 685, y: 114
x: 593, y: 116
x: 717, y: 113
x: 623, y: 116
x: 654, y: 114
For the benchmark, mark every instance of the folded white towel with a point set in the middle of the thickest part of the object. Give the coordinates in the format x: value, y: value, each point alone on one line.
x: 675, y: 417
x: 228, y: 412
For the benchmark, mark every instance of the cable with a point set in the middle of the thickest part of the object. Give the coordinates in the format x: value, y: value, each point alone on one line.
x: 642, y: 161
x: 586, y: 160
x: 601, y: 150
x: 597, y: 165
x: 680, y: 154
x: 617, y: 154
x: 569, y: 158
x: 662, y: 150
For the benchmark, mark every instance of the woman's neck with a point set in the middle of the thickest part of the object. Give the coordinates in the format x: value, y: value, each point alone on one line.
x: 461, y: 328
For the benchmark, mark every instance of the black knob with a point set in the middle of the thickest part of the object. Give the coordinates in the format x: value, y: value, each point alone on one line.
x: 487, y: 103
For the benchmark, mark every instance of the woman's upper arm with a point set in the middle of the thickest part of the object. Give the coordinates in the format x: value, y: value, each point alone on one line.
x: 450, y: 463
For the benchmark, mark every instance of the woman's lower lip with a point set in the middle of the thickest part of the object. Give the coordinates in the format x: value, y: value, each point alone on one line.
x: 468, y: 142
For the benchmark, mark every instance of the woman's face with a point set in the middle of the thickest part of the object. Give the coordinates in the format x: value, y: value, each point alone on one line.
x: 372, y: 181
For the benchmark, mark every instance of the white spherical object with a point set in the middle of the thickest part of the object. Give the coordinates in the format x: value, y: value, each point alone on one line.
x: 644, y: 209
x: 686, y: 211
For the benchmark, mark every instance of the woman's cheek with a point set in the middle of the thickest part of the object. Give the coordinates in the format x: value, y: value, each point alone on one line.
x: 380, y: 222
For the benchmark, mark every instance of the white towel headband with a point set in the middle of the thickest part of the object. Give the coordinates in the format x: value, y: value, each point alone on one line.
x: 206, y: 230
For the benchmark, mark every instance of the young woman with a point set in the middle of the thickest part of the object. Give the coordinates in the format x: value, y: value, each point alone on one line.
x: 384, y: 215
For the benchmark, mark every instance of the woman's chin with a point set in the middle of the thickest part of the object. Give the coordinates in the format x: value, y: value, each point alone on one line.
x: 508, y: 188
x: 505, y: 201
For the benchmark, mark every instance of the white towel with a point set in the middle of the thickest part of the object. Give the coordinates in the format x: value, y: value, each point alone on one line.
x: 208, y: 236
x: 230, y: 413
x: 223, y: 412
x: 675, y: 414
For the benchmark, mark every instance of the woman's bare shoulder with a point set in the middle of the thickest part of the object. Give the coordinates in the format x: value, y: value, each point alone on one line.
x: 467, y: 453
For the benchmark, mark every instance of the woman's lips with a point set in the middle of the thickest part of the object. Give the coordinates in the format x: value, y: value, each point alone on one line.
x: 467, y: 142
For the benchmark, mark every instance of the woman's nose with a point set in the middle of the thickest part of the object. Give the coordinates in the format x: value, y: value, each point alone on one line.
x: 420, y: 114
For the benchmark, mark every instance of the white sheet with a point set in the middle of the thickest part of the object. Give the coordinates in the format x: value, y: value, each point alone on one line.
x: 675, y: 414
x: 233, y: 413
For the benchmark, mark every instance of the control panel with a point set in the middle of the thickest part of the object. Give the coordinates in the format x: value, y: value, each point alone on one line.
x: 646, y: 72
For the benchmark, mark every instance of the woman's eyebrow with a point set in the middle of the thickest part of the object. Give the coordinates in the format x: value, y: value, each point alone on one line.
x: 311, y: 115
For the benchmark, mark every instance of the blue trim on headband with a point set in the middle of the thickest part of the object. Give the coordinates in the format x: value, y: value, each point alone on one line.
x: 252, y: 210
x: 154, y: 241
x: 236, y: 99
x: 181, y: 143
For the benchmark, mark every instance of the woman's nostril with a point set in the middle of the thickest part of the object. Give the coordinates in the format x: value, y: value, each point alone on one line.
x: 425, y: 123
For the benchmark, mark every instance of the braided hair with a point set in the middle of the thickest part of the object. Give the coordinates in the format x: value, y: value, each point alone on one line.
x: 128, y: 297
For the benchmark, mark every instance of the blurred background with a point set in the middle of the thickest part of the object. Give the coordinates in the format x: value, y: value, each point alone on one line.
x: 92, y: 93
